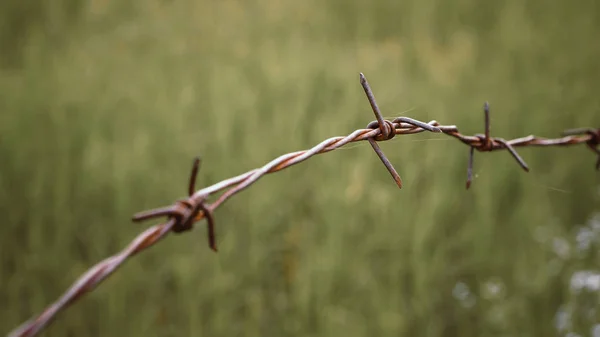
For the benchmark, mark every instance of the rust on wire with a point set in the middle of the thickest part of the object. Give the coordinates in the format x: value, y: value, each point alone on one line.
x: 487, y: 143
x: 182, y: 214
x: 385, y: 128
x: 186, y: 211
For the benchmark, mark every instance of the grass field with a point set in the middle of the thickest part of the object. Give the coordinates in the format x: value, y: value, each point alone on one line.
x: 104, y: 104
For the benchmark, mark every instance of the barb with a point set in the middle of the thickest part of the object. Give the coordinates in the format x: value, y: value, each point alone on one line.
x: 182, y: 215
x: 386, y: 130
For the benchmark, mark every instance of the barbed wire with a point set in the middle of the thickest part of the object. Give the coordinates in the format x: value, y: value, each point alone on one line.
x: 182, y: 215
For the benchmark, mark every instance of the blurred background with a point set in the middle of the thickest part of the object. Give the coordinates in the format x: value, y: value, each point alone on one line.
x: 104, y: 104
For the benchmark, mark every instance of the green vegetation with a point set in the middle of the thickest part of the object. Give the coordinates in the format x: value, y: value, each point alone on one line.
x: 104, y: 104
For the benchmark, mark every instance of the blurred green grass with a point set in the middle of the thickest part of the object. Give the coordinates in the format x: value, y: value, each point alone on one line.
x: 104, y: 104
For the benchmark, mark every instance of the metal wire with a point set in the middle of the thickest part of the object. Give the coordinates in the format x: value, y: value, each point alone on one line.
x: 182, y: 215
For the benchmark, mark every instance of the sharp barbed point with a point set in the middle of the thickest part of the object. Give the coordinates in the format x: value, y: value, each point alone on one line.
x: 470, y: 166
x: 193, y: 175
x: 489, y: 143
x: 386, y: 129
x: 206, y: 211
x: 486, y: 111
x: 182, y: 214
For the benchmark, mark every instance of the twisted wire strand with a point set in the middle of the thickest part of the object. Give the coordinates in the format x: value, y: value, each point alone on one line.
x: 94, y: 276
x: 184, y: 213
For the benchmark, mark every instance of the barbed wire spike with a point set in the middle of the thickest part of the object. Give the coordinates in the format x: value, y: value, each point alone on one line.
x: 193, y: 176
x: 488, y: 143
x: 387, y: 131
x: 486, y: 113
x: 514, y: 153
x: 371, y: 97
x: 470, y: 166
x: 212, y: 242
x: 186, y: 212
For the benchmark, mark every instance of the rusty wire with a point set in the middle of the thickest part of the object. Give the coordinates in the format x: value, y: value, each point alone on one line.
x: 184, y: 213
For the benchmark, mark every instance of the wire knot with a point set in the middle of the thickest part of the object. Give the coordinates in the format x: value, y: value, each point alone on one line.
x: 186, y: 211
x: 388, y: 131
x: 484, y: 142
